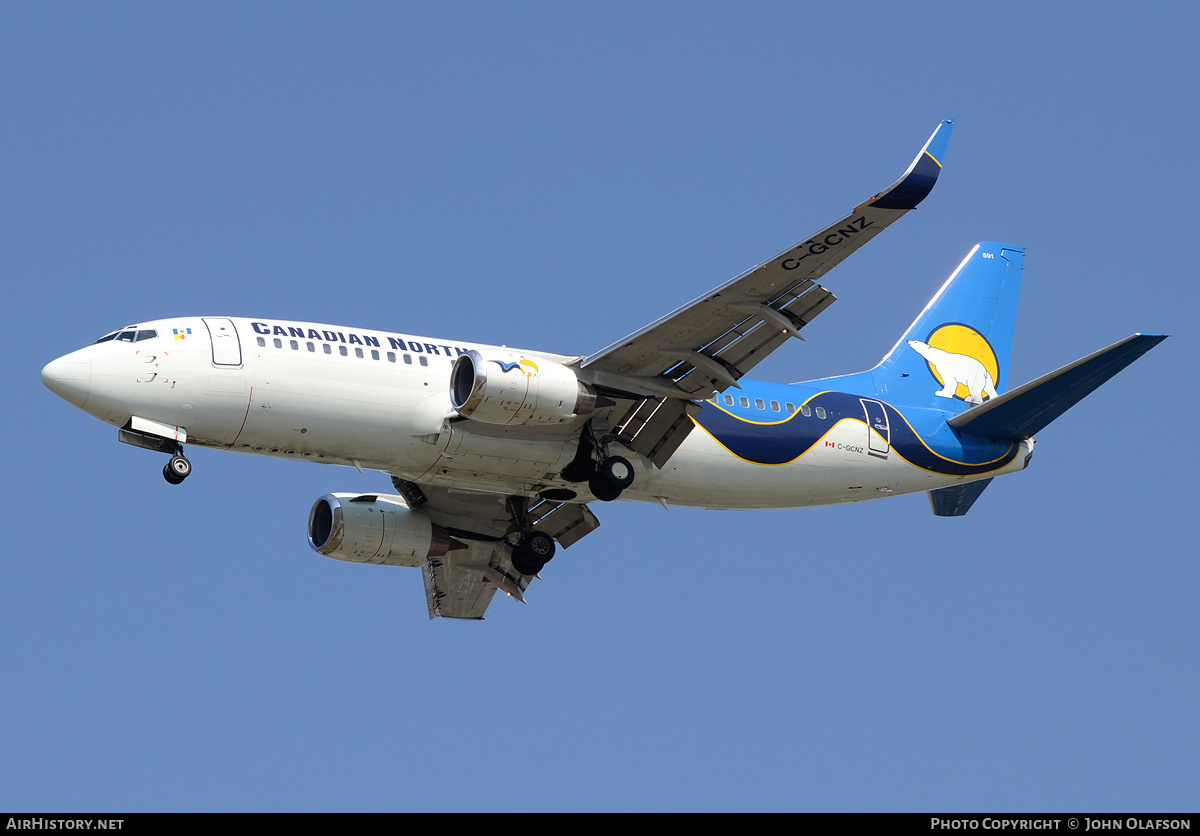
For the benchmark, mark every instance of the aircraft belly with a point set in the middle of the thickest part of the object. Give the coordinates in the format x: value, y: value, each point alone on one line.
x: 465, y: 459
x: 704, y: 474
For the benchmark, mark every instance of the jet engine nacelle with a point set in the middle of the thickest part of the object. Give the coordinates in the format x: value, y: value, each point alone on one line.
x: 374, y: 528
x: 501, y: 387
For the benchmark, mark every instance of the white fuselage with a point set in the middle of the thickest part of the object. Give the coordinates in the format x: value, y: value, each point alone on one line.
x: 381, y: 401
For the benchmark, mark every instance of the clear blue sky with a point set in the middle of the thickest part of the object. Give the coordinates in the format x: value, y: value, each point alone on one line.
x: 556, y: 176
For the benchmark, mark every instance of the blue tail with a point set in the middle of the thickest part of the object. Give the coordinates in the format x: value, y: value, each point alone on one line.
x: 956, y: 355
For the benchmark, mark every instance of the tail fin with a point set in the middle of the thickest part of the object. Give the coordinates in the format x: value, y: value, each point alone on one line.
x: 956, y: 355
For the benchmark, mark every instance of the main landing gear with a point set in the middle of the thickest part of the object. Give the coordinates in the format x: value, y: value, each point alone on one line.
x: 531, y: 549
x: 535, y: 550
x: 178, y: 468
x: 607, y: 476
x: 613, y: 475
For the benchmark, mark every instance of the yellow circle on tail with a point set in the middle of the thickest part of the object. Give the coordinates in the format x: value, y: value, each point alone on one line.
x: 963, y: 339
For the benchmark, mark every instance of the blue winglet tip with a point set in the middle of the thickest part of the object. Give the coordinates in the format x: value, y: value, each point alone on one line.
x: 939, y: 142
x: 918, y: 181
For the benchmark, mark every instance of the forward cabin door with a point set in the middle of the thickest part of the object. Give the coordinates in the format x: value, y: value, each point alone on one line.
x: 226, y: 347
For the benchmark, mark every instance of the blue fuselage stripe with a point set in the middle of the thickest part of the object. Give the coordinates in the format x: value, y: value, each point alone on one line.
x: 786, y: 440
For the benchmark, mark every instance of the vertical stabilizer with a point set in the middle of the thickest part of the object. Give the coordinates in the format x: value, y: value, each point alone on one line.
x: 956, y: 355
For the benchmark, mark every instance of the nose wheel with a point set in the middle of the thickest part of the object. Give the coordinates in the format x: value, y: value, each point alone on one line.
x: 177, y: 469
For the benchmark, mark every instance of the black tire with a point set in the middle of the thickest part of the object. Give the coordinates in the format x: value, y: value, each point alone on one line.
x: 524, y: 562
x: 180, y: 467
x: 540, y: 545
x: 169, y: 474
x: 602, y: 489
x: 535, y: 551
x: 617, y: 471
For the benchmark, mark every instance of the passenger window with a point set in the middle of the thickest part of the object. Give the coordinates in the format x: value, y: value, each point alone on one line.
x: 311, y: 347
x: 342, y: 351
x: 424, y: 360
x: 328, y: 349
x: 729, y: 400
x: 358, y: 353
x: 744, y: 401
x: 278, y: 343
x: 791, y: 407
x: 774, y: 406
x: 758, y: 403
x: 805, y: 411
x: 408, y: 359
x: 391, y: 357
x: 295, y: 345
x: 821, y: 412
x: 374, y: 354
x: 262, y: 341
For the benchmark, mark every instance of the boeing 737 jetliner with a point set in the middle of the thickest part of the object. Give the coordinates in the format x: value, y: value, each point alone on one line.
x: 495, y: 453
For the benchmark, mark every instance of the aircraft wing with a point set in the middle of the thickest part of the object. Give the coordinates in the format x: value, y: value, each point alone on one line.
x: 462, y: 583
x: 709, y: 344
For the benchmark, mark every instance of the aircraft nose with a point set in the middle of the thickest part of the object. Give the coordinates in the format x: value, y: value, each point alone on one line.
x: 70, y: 377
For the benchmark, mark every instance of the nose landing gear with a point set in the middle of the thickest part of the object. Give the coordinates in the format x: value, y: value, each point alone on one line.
x: 177, y: 469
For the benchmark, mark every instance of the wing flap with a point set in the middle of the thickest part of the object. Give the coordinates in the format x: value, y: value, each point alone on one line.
x: 656, y: 428
x: 462, y: 583
x: 568, y: 523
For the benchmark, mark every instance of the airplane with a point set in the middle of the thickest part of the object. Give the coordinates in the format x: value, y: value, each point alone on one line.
x: 495, y: 453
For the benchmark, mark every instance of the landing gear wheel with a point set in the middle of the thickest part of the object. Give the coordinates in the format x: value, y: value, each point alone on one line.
x: 540, y: 545
x: 613, y: 475
x: 177, y: 469
x: 534, y: 552
x: 602, y: 489
x: 617, y: 471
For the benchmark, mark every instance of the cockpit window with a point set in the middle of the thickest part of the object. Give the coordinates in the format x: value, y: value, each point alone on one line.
x: 129, y: 335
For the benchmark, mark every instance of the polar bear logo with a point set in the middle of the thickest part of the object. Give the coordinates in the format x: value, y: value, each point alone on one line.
x: 955, y: 369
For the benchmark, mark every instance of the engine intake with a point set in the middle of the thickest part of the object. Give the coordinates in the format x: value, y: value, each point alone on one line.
x: 375, y: 528
x: 510, y: 388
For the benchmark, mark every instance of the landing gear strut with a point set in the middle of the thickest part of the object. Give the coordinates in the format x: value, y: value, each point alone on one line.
x: 178, y: 468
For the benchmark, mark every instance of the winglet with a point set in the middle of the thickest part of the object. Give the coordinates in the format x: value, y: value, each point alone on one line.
x: 917, y: 182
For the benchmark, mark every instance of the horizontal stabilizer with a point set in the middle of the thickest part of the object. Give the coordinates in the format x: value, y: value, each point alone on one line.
x: 1024, y: 411
x: 957, y: 499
